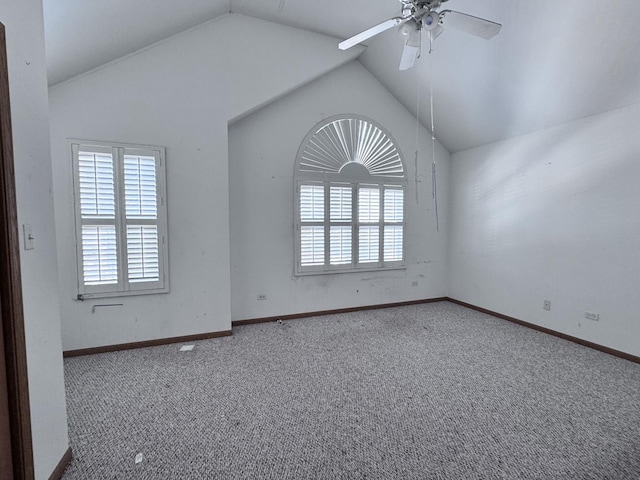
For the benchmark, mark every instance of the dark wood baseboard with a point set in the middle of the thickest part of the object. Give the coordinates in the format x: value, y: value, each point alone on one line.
x: 293, y: 316
x: 564, y: 336
x: 251, y: 321
x: 226, y: 333
x: 62, y: 465
x: 145, y: 343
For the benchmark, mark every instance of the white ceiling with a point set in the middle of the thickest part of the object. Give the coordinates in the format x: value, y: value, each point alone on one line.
x: 553, y: 61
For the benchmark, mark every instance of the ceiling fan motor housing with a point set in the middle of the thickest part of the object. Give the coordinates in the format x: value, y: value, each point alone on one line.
x: 430, y: 4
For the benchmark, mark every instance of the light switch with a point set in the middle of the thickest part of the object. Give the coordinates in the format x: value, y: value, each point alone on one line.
x: 28, y: 236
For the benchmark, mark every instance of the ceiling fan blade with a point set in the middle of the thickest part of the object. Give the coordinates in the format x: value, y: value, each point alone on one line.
x: 373, y: 31
x: 468, y: 23
x: 411, y: 50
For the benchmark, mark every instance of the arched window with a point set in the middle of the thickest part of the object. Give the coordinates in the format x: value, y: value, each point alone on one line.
x: 350, y: 195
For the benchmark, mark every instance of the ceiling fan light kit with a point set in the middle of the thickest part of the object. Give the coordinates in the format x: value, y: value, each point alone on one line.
x: 406, y: 28
x: 417, y: 15
x: 431, y: 20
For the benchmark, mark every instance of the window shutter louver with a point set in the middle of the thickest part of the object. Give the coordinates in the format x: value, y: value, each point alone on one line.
x: 393, y: 243
x: 312, y: 245
x: 369, y: 244
x: 142, y: 253
x: 97, y: 185
x: 340, y: 245
x: 311, y: 203
x: 140, y: 187
x: 393, y: 205
x: 369, y: 205
x: 99, y: 255
x: 340, y: 200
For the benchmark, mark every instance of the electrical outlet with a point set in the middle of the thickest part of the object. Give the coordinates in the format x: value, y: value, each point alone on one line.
x: 547, y: 305
x: 262, y: 296
x: 414, y: 283
x: 592, y: 316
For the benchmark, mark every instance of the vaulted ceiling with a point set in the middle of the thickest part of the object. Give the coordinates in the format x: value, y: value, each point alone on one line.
x: 553, y: 61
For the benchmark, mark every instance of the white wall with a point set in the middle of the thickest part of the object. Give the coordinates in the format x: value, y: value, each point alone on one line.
x: 28, y: 90
x: 554, y: 215
x: 262, y: 151
x: 179, y: 93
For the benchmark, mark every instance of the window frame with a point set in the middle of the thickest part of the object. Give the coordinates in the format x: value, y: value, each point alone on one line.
x: 356, y: 179
x: 123, y: 286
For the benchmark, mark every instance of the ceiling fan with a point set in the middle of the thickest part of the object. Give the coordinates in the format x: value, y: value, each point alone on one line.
x: 423, y: 14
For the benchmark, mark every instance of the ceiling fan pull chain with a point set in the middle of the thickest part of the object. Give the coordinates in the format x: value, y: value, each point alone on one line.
x: 434, y: 181
x: 417, y: 141
x: 430, y: 41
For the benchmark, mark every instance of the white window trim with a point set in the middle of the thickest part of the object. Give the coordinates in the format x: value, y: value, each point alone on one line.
x: 123, y: 287
x: 328, y: 179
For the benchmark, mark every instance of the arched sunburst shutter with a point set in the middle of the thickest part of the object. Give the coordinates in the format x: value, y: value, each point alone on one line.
x: 344, y: 140
x: 350, y: 182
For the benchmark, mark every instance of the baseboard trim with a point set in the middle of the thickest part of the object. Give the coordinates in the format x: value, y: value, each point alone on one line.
x: 252, y: 321
x: 236, y: 323
x: 145, y: 343
x: 564, y: 336
x: 62, y: 465
x: 293, y: 316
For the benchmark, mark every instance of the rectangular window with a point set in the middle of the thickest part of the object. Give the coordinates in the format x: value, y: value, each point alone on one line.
x: 120, y: 208
x: 349, y: 227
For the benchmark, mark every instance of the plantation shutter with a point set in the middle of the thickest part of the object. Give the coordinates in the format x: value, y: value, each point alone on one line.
x: 393, y: 224
x: 369, y: 219
x: 141, y: 216
x: 349, y: 198
x: 312, y: 225
x: 96, y: 202
x: 120, y: 219
x: 341, y: 237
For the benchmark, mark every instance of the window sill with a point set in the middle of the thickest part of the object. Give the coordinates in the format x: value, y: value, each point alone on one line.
x: 351, y: 270
x: 91, y: 296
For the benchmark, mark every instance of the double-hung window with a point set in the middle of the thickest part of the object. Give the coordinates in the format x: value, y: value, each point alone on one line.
x: 350, y: 197
x: 120, y: 213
